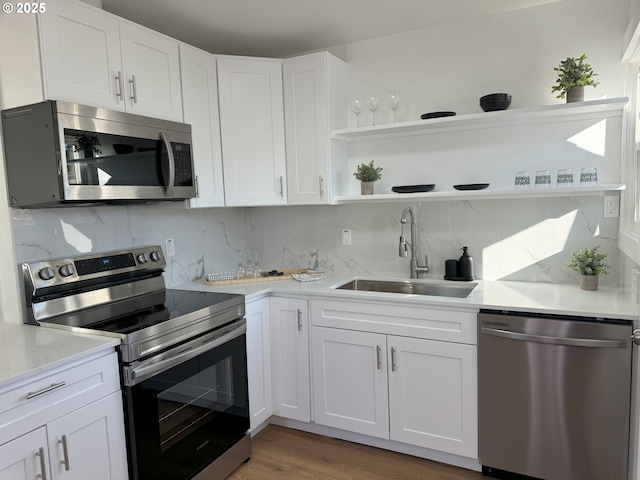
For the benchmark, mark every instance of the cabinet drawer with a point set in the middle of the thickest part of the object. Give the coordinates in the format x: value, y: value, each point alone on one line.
x: 35, y: 401
x: 418, y: 321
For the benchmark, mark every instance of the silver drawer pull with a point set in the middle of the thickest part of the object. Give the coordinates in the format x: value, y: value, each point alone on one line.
x: 65, y: 452
x: 379, y: 356
x: 299, y: 320
x: 53, y: 386
x: 120, y: 86
x: 43, y: 465
x: 393, y: 359
x: 134, y: 91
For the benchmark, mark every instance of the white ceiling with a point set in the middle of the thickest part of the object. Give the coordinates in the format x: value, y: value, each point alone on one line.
x: 281, y: 28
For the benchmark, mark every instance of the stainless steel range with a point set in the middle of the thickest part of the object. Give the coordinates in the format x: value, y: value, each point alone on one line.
x: 183, y: 357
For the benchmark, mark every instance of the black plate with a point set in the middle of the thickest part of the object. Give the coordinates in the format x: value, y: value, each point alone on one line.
x: 471, y: 186
x: 413, y: 188
x: 426, y: 116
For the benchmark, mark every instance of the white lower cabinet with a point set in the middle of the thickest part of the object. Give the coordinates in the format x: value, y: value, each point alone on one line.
x: 259, y: 362
x: 289, y: 320
x: 433, y: 394
x: 417, y: 391
x: 26, y: 457
x: 88, y: 442
x: 350, y: 381
x: 67, y: 424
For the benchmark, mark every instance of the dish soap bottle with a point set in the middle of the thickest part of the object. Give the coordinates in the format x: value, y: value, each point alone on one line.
x: 465, y: 265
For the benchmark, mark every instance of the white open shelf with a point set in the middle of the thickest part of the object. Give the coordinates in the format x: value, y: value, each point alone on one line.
x: 486, y: 194
x: 569, y: 111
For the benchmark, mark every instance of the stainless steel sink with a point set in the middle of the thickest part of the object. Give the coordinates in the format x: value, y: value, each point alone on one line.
x: 409, y: 287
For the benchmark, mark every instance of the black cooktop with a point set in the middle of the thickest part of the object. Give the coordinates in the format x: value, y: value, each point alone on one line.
x: 177, y: 303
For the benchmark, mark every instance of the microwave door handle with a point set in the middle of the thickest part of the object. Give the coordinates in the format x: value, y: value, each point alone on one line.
x: 168, y: 189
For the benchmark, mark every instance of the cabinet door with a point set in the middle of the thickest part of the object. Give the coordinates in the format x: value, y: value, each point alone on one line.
x: 81, y: 55
x: 350, y: 381
x: 259, y: 362
x: 200, y: 107
x: 252, y: 128
x: 290, y: 358
x: 151, y: 67
x: 90, y: 442
x: 314, y: 104
x: 26, y: 457
x: 433, y: 395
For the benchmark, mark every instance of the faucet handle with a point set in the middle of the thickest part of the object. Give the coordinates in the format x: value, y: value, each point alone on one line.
x: 402, y: 247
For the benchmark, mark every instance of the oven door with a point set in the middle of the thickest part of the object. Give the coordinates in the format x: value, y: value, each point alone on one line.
x: 182, y: 416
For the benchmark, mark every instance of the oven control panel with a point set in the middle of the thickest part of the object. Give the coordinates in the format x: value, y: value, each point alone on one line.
x: 62, y: 271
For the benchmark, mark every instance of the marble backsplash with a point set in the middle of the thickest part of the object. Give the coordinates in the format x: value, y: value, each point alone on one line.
x: 521, y: 239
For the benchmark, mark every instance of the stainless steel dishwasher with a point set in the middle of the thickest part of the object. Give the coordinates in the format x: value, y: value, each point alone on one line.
x: 553, y: 396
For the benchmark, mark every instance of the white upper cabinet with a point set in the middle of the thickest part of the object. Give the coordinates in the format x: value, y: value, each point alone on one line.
x: 91, y: 57
x: 315, y: 104
x: 252, y: 129
x: 200, y: 106
x: 81, y: 55
x: 151, y: 68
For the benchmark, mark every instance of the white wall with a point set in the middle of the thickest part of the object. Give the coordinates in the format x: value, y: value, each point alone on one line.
x: 451, y: 66
x: 20, y: 49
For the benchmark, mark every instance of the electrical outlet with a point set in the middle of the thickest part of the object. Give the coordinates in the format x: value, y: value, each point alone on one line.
x: 611, y: 206
x: 170, y: 247
x: 346, y: 236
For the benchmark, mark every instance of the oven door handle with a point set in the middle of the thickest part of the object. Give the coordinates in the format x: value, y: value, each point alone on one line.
x: 138, y: 373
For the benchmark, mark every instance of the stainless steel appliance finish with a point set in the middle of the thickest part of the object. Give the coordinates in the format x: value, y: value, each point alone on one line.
x: 409, y: 287
x: 554, y: 396
x: 183, y: 357
x: 128, y: 158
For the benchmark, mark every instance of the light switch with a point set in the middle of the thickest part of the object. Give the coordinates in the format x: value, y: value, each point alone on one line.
x: 346, y: 236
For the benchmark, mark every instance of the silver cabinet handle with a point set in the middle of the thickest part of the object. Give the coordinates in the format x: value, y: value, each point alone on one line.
x: 134, y: 92
x: 572, y: 342
x: 43, y: 466
x: 119, y: 86
x: 393, y: 359
x: 168, y: 190
x: 299, y: 320
x: 53, y: 386
x: 636, y: 336
x: 281, y: 187
x: 379, y: 355
x: 65, y: 452
x: 321, y: 180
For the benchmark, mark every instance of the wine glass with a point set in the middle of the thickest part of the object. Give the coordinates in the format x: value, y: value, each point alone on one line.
x: 372, y: 104
x: 356, y: 107
x: 394, y: 102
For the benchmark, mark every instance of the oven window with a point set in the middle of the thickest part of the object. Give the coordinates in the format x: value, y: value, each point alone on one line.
x: 193, y: 402
x: 181, y: 420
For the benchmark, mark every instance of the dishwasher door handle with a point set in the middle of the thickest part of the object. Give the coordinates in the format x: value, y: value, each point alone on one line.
x: 572, y: 342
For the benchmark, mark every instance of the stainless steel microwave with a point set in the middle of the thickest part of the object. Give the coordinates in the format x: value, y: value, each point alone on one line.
x: 59, y: 153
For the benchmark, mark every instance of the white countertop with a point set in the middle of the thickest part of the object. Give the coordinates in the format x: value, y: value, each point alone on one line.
x: 550, y: 298
x: 27, y: 350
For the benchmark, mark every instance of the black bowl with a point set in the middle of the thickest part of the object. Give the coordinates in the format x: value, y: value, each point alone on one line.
x: 122, y: 149
x: 495, y: 101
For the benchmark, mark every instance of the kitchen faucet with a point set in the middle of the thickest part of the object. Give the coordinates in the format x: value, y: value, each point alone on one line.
x: 415, y: 267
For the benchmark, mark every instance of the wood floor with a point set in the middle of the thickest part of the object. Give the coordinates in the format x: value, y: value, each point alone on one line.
x: 282, y: 453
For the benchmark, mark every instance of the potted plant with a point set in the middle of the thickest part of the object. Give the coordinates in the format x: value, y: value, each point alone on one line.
x: 589, y: 264
x: 88, y: 144
x: 367, y: 174
x: 573, y: 75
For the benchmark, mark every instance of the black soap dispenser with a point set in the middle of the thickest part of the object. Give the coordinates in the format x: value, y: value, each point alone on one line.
x: 465, y: 265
